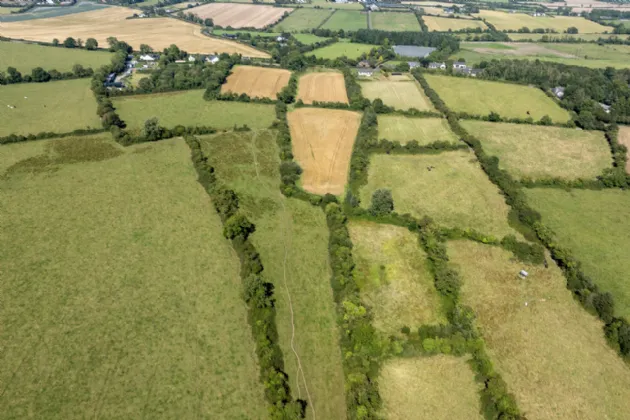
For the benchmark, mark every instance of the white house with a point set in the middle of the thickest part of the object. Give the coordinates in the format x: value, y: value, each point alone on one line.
x: 212, y: 59
x: 191, y: 58
x: 437, y: 66
x: 558, y: 91
x: 460, y: 65
x: 365, y: 72
x: 280, y: 39
x: 147, y: 57
x: 605, y: 107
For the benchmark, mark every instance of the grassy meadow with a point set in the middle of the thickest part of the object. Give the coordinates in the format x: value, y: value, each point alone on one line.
x: 399, y: 94
x: 585, y: 37
x: 423, y: 130
x: 188, y: 108
x: 410, y: 386
x: 302, y: 19
x: 340, y: 49
x: 125, y: 298
x: 544, y: 152
x: 60, y: 107
x: 506, y: 21
x: 594, y: 226
x: 395, y: 21
x: 25, y: 57
x: 332, y: 5
x: 346, y: 20
x: 548, y: 349
x: 455, y: 192
x: 292, y: 238
x: 442, y: 24
x: 394, y: 278
x: 480, y: 97
x: 309, y: 39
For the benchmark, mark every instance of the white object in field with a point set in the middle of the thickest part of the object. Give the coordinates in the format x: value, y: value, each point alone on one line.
x: 523, y: 273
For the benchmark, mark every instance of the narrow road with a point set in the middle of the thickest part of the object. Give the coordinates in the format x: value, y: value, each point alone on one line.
x: 369, y: 19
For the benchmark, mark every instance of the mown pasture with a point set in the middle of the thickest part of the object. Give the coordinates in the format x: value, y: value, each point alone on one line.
x: 449, y: 187
x: 340, y: 49
x: 398, y: 94
x: 256, y: 81
x: 240, y: 15
x: 514, y: 21
x: 410, y: 386
x: 423, y: 130
x: 188, y: 108
x: 585, y: 37
x: 309, y: 39
x: 395, y: 21
x: 325, y: 86
x: 346, y: 20
x: 302, y: 19
x: 394, y: 278
x: 332, y: 5
x: 125, y: 298
x: 481, y: 97
x: 548, y: 349
x: 292, y: 239
x: 25, y: 57
x: 60, y: 107
x: 594, y: 226
x: 544, y: 152
x: 440, y: 24
x: 158, y: 33
x: 322, y: 141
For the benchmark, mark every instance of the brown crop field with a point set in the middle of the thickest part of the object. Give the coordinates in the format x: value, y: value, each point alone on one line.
x: 322, y: 144
x: 322, y: 87
x: 258, y: 82
x: 159, y: 33
x: 624, y: 138
x: 240, y: 15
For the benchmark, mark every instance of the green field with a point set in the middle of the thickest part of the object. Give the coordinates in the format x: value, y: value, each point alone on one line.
x: 586, y: 55
x: 455, y: 192
x: 292, y: 239
x: 543, y: 152
x: 340, y: 49
x: 8, y: 10
x: 550, y: 351
x: 585, y: 37
x: 410, y: 386
x: 59, y: 107
x: 346, y: 20
x: 594, y: 226
x: 405, y: 129
x: 24, y: 57
x: 514, y: 21
x: 188, y: 108
x: 394, y: 278
x: 302, y: 19
x: 309, y: 39
x: 125, y: 300
x: 448, y: 24
x: 480, y: 97
x: 332, y: 5
x: 399, y: 94
x: 395, y: 21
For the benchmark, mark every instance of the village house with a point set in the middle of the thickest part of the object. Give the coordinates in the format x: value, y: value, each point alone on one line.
x: 363, y: 72
x: 147, y: 57
x: 212, y: 59
x: 459, y: 65
x: 364, y: 64
x: 558, y: 91
x: 413, y: 64
x: 437, y: 66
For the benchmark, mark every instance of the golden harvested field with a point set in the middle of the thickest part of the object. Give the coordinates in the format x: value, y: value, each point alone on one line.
x: 322, y: 87
x: 399, y: 94
x: 258, y: 82
x: 394, y: 278
x: 444, y: 24
x: 550, y: 351
x: 322, y: 145
x: 624, y: 138
x: 240, y: 15
x: 159, y: 33
x: 504, y: 21
x: 424, y: 384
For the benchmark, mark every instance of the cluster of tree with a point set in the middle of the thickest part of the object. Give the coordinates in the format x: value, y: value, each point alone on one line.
x: 191, y: 17
x: 604, y: 17
x: 414, y: 148
x: 18, y: 138
x: 585, y: 88
x: 617, y: 329
x: 353, y: 90
x: 39, y: 75
x: 258, y: 294
x: 288, y: 93
x: 496, y: 117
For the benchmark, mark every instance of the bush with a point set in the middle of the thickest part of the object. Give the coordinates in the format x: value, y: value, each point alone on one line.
x: 382, y: 203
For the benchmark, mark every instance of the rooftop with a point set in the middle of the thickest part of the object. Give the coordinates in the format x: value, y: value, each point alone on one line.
x: 413, y: 51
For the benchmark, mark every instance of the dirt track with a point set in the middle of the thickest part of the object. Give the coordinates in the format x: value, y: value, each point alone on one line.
x: 322, y: 144
x: 322, y: 87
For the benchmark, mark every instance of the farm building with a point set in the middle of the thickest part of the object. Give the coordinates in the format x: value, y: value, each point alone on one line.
x: 437, y: 66
x: 413, y: 64
x: 147, y: 57
x: 558, y: 91
x: 459, y: 65
x: 365, y: 72
x: 413, y: 51
x: 212, y: 59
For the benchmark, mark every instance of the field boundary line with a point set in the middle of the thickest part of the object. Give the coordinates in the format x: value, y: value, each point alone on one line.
x: 323, y: 22
x: 285, y: 283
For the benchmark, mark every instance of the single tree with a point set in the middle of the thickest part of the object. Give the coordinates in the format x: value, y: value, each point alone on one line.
x: 382, y: 202
x: 572, y: 30
x: 145, y: 49
x: 208, y: 22
x: 13, y: 76
x: 55, y: 42
x: 91, y: 44
x: 70, y: 43
x: 40, y: 75
x: 152, y: 130
x: 238, y: 226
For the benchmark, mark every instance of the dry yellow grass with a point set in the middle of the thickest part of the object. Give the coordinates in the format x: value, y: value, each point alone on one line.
x: 505, y: 21
x: 322, y: 87
x: 444, y: 24
x: 624, y: 138
x: 322, y: 145
x: 550, y: 351
x: 258, y: 82
x: 159, y: 33
x: 395, y: 281
x: 413, y: 388
x: 240, y: 15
